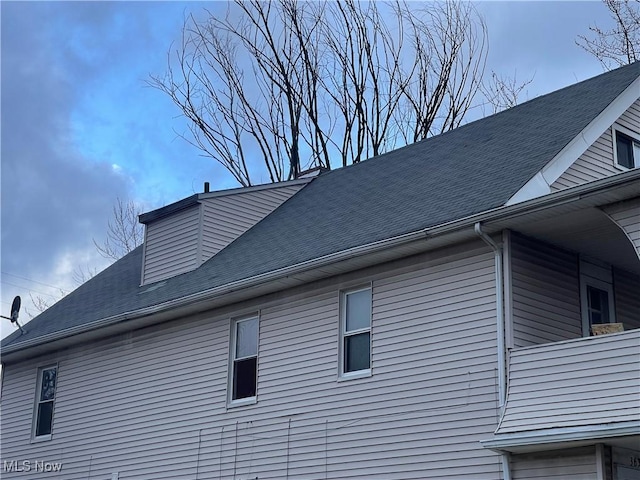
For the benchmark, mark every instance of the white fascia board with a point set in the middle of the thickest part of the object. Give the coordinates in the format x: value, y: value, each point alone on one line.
x: 507, y: 442
x: 534, y: 188
x: 541, y: 183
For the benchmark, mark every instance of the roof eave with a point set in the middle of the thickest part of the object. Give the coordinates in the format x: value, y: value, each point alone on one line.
x: 537, y: 440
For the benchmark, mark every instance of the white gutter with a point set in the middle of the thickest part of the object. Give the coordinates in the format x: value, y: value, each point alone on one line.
x: 502, y: 363
x: 498, y: 213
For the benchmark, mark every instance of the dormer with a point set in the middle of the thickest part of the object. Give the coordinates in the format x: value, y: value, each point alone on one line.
x: 181, y: 236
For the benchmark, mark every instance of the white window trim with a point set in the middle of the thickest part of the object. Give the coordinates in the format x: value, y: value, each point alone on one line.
x: 342, y: 375
x: 231, y: 403
x: 586, y: 281
x: 36, y: 402
x: 629, y: 133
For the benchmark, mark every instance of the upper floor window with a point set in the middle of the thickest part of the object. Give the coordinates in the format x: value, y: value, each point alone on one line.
x: 627, y: 151
x: 45, y: 398
x: 244, y: 359
x: 355, y: 332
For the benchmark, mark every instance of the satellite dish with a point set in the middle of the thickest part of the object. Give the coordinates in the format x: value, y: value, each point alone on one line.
x: 15, y: 310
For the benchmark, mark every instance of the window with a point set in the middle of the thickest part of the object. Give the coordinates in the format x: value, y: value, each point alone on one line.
x: 45, y: 398
x: 627, y: 150
x: 596, y: 292
x: 597, y: 305
x: 355, y: 342
x: 244, y: 355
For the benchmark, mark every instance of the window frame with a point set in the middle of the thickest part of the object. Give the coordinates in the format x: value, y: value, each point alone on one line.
x: 343, y: 334
x: 237, y: 402
x: 603, y: 285
x: 635, y: 146
x: 34, y: 426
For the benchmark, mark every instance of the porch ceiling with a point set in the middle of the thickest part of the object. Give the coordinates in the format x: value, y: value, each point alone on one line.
x: 588, y: 231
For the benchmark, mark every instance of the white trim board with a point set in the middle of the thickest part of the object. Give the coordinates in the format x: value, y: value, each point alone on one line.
x: 541, y: 183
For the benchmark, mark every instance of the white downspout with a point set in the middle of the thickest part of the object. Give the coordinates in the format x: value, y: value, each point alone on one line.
x: 502, y: 363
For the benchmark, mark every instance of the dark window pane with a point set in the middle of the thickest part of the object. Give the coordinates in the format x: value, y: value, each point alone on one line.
x: 356, y: 352
x: 598, y: 301
x: 624, y: 150
x: 358, y: 310
x: 244, y: 378
x: 45, y: 417
x: 594, y: 298
x: 47, y: 392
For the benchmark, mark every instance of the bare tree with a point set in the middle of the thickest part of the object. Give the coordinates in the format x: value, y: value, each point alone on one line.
x: 620, y: 45
x: 40, y: 304
x: 82, y: 274
x: 503, y: 91
x: 124, y: 233
x: 295, y: 85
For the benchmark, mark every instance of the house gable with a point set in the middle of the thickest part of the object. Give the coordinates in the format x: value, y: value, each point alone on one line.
x: 589, y: 155
x: 598, y: 160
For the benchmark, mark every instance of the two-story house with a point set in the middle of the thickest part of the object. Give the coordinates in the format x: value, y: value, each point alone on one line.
x: 465, y: 307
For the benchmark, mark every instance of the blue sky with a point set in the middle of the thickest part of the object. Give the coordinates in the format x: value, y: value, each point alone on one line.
x: 80, y: 126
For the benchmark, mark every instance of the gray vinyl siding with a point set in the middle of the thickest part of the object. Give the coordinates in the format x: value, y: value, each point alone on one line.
x: 227, y: 217
x: 597, y: 161
x: 545, y: 293
x: 627, y: 298
x: 152, y: 404
x: 573, y: 464
x: 631, y: 118
x: 182, y: 241
x: 585, y: 382
x: 171, y: 245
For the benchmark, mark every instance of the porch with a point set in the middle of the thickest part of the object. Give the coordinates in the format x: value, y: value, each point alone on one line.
x: 573, y: 392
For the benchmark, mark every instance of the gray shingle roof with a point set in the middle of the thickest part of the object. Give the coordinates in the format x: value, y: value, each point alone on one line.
x: 472, y: 169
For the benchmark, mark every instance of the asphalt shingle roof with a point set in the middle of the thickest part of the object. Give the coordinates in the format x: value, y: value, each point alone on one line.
x: 474, y: 168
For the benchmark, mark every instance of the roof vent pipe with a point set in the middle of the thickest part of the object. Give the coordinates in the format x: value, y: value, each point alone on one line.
x: 206, y: 187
